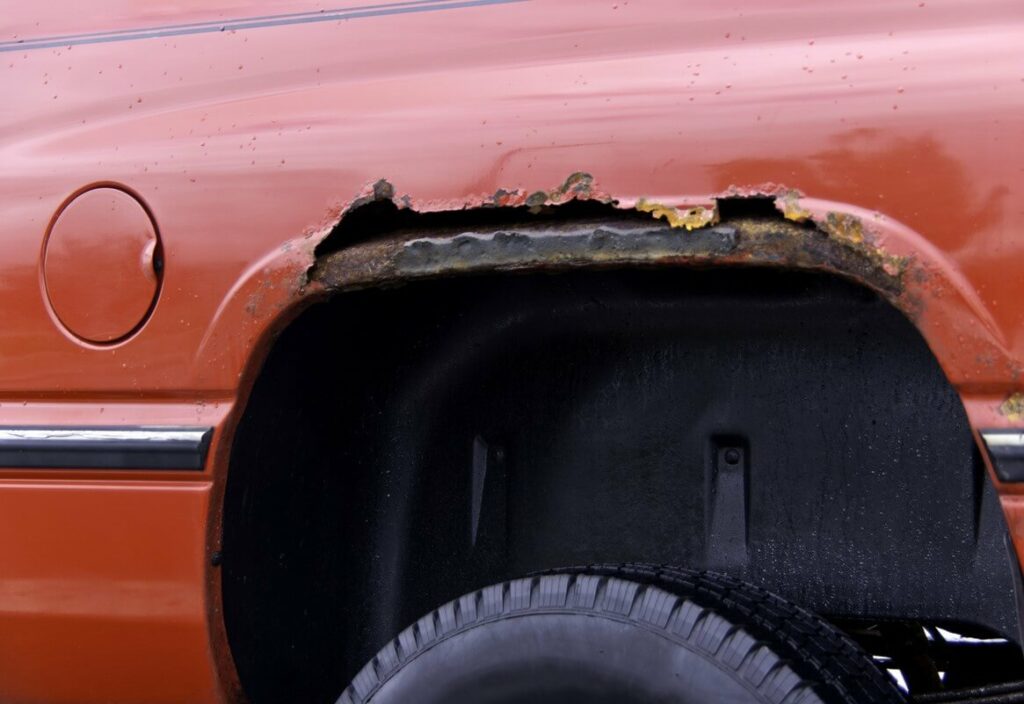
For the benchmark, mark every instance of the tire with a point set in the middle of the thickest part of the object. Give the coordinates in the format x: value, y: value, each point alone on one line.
x: 628, y: 633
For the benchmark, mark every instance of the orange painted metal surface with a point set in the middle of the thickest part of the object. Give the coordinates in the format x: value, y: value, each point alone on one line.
x: 248, y: 138
x: 94, y: 573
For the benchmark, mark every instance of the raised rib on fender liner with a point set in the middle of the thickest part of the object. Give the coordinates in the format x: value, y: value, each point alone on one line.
x: 634, y: 633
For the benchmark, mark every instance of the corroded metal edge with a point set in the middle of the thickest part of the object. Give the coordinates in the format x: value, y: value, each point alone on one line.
x: 606, y: 242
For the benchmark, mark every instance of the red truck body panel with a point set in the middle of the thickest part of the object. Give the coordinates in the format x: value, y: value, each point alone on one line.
x: 247, y: 128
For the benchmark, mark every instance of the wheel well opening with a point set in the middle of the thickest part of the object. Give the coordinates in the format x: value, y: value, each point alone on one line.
x: 403, y: 446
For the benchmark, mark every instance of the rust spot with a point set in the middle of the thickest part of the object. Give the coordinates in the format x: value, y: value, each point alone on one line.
x: 380, y: 190
x: 788, y: 204
x: 844, y: 227
x: 382, y: 238
x: 690, y: 218
x: 1013, y: 407
x: 505, y: 199
x: 579, y: 185
x: 850, y: 230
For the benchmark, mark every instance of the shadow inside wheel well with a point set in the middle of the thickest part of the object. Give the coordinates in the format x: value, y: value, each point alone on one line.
x: 404, y: 446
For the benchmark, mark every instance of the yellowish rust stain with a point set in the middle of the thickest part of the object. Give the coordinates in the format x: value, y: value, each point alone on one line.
x: 789, y: 204
x: 844, y: 227
x: 849, y: 229
x: 1013, y: 407
x: 690, y: 218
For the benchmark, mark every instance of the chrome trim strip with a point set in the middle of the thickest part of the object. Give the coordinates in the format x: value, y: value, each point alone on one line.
x: 102, y: 435
x: 109, y: 447
x: 1006, y: 450
x: 1004, y: 438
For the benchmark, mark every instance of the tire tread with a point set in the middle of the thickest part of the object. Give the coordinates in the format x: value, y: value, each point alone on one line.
x: 783, y: 653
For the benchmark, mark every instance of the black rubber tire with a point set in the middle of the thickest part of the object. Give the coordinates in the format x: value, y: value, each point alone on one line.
x: 626, y: 633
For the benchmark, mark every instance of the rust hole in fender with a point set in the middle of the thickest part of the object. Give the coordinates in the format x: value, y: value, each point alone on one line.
x: 381, y: 214
x: 381, y: 239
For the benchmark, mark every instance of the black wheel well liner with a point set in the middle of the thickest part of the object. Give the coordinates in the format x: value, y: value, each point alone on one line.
x: 402, y: 446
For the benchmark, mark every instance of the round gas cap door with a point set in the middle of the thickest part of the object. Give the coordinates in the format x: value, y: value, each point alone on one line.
x: 100, y: 266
